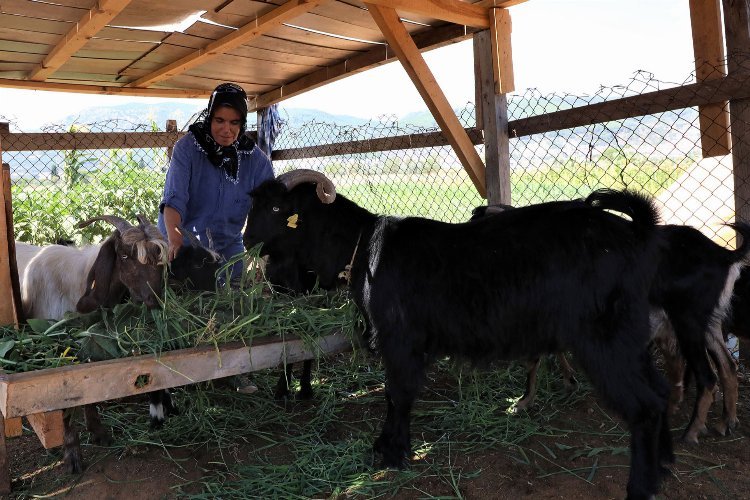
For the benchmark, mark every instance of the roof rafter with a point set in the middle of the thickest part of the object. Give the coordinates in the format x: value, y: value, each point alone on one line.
x: 253, y: 29
x: 102, y: 89
x: 411, y: 59
x: 90, y: 24
x: 453, y: 11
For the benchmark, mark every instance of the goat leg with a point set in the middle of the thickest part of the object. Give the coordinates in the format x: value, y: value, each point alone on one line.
x: 727, y: 369
x: 71, y: 443
x: 282, y: 386
x: 532, y: 369
x: 99, y: 433
x: 568, y: 374
x: 305, y: 384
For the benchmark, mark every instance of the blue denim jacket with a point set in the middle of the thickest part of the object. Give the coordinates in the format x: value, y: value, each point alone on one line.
x: 206, y: 197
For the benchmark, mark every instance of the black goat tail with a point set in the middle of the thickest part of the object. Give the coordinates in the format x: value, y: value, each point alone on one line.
x: 638, y: 206
x: 742, y: 253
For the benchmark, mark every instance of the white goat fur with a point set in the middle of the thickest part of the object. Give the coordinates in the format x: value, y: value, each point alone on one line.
x: 54, y: 279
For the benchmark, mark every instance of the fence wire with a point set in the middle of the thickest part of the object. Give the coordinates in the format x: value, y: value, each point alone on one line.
x: 658, y: 153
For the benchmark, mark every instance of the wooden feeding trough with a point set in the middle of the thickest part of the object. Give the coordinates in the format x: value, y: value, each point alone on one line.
x: 41, y: 395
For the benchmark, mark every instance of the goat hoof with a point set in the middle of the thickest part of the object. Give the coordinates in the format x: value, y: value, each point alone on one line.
x: 156, y: 424
x: 522, y: 405
x: 306, y: 393
x: 690, y: 438
x: 73, y: 463
x: 102, y: 439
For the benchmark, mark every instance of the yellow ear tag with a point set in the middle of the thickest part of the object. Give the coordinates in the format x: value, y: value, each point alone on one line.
x: 292, y: 221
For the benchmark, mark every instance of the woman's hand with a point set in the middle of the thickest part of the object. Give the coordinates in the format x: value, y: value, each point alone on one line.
x: 172, y: 220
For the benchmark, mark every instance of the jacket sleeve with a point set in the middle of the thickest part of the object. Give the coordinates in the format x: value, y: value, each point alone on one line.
x: 176, y: 186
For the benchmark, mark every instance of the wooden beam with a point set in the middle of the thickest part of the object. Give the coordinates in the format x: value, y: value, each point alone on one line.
x: 43, y: 141
x: 254, y: 29
x: 416, y: 67
x: 90, y: 24
x: 502, y: 52
x: 4, y: 462
x: 13, y: 427
x: 59, y: 388
x: 400, y: 142
x: 7, y: 311
x: 494, y: 113
x: 453, y: 11
x: 48, y: 427
x: 696, y: 94
x: 708, y: 47
x: 375, y: 57
x: 14, y: 278
x: 104, y: 89
x: 737, y: 32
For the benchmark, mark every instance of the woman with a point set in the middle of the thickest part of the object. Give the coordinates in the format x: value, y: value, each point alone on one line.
x: 213, y: 170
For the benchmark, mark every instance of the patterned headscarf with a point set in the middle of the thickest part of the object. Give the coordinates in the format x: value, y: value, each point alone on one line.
x: 224, y: 157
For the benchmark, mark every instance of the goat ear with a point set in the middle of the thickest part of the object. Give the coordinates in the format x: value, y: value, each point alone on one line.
x: 99, y: 280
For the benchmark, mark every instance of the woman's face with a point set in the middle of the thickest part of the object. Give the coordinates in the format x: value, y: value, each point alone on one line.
x: 225, y: 125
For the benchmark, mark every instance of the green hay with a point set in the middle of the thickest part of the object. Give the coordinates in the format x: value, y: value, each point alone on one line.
x: 187, y: 319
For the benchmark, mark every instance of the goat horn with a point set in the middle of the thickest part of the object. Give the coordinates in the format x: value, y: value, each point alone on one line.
x: 120, y: 224
x: 326, y: 190
x: 143, y: 220
x: 194, y: 241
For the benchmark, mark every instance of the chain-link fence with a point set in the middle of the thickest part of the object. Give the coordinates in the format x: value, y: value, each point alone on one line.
x: 403, y: 167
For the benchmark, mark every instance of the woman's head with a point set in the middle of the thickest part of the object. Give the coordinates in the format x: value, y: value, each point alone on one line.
x: 227, y: 113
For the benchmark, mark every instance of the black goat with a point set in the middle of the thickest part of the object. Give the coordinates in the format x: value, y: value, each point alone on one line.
x: 566, y: 274
x: 690, y: 297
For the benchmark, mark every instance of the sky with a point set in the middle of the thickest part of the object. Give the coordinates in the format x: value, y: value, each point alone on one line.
x: 559, y: 46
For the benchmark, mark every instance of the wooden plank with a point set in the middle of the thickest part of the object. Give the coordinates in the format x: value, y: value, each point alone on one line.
x: 708, y: 47
x: 502, y: 52
x: 46, y: 141
x: 104, y: 89
x: 14, y: 278
x: 42, y: 10
x: 410, y: 141
x: 452, y: 11
x: 7, y: 311
x: 13, y: 427
x: 87, y: 26
x: 48, y: 427
x: 31, y: 25
x: 4, y: 462
x: 262, y: 25
x: 423, y: 79
x: 494, y: 113
x: 696, y: 94
x: 59, y: 388
x: 737, y: 32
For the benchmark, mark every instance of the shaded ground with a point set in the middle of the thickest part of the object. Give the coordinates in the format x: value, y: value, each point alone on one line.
x: 467, y: 445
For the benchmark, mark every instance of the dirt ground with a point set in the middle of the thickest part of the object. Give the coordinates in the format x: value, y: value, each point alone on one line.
x: 542, y: 466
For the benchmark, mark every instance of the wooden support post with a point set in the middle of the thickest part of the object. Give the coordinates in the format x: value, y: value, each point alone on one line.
x: 737, y: 32
x: 259, y: 127
x: 411, y: 59
x: 13, y: 427
x: 171, y: 127
x: 494, y: 112
x: 48, y: 427
x: 14, y: 276
x: 7, y: 311
x: 4, y: 462
x: 708, y: 47
x: 502, y: 53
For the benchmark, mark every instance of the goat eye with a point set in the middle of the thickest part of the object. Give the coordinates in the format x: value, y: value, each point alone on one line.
x: 123, y: 256
x: 275, y: 209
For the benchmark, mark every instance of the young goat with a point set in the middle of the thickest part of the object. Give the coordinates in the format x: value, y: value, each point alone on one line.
x: 567, y: 274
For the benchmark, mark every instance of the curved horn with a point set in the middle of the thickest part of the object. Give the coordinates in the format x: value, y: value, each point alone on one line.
x: 326, y: 190
x: 121, y: 224
x: 143, y: 220
x: 192, y: 238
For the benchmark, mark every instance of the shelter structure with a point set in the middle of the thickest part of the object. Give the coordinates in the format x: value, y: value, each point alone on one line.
x: 277, y: 49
